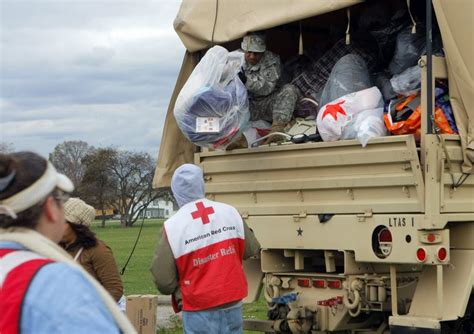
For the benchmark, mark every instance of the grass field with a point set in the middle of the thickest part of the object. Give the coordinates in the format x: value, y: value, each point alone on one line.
x: 137, y: 277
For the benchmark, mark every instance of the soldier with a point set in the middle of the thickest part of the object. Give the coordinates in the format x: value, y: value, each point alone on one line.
x: 261, y: 75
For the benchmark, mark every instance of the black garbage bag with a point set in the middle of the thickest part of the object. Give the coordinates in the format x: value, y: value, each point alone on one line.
x: 409, y: 48
x: 382, y: 81
x: 386, y: 34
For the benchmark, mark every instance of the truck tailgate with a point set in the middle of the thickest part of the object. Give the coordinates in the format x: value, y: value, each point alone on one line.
x: 316, y: 178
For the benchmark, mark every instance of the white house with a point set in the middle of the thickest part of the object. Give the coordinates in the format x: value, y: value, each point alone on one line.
x: 159, y: 209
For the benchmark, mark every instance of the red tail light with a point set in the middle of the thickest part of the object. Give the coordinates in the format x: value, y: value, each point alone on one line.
x: 303, y: 282
x: 442, y: 254
x: 319, y: 283
x: 431, y: 238
x: 385, y: 235
x: 335, y: 284
x: 421, y: 254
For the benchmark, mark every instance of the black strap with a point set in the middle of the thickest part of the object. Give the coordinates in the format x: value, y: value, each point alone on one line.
x: 133, y: 249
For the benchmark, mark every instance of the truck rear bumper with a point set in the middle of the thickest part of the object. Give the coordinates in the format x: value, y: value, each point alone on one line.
x: 419, y: 325
x: 413, y: 330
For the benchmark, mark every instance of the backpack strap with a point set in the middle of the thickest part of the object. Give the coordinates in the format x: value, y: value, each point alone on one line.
x: 17, y: 270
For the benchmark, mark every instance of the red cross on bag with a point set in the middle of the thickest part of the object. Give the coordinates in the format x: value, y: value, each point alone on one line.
x: 202, y: 212
x: 333, y: 109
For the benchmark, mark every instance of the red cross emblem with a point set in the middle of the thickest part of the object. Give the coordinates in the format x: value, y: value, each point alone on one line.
x: 333, y: 109
x: 202, y: 212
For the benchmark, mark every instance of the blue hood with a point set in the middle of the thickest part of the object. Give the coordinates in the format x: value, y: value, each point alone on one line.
x: 187, y: 184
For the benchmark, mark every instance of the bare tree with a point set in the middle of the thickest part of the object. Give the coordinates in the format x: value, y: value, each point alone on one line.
x: 67, y: 158
x: 134, y: 175
x: 98, y: 186
x: 121, y: 180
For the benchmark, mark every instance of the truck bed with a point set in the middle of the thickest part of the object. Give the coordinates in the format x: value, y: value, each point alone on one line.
x: 337, y: 178
x: 318, y: 178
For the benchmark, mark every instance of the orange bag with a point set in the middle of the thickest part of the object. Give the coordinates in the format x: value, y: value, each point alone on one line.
x: 394, y: 118
x: 442, y: 122
x: 398, y: 124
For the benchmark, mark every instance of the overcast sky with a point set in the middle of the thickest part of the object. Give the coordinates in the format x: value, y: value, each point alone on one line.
x: 101, y: 71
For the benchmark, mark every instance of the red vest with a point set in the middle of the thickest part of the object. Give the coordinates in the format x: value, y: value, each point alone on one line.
x: 17, y: 270
x: 207, y: 239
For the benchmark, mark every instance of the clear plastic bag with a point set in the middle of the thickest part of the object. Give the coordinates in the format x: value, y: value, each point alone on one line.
x: 408, y: 82
x: 255, y: 130
x: 212, y: 108
x: 349, y: 75
x: 365, y: 125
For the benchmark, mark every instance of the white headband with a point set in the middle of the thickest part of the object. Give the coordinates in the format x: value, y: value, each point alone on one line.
x: 28, y: 197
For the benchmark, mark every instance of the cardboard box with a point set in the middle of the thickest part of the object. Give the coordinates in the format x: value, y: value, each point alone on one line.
x: 141, y: 310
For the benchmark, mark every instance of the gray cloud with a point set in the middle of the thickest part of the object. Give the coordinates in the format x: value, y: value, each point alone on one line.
x: 98, y: 71
x: 126, y: 126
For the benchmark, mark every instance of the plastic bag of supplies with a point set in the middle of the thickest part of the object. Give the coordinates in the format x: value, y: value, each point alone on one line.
x: 403, y: 115
x: 212, y: 108
x: 356, y: 115
x: 365, y: 125
x: 408, y: 82
x: 409, y: 48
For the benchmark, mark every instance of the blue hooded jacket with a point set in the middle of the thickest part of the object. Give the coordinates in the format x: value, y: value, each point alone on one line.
x: 187, y: 184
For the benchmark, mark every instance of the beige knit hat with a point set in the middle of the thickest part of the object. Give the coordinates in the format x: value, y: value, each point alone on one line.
x: 79, y: 212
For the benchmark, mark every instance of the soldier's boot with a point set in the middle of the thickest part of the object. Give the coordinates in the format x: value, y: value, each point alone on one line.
x: 276, y: 127
x: 241, y: 142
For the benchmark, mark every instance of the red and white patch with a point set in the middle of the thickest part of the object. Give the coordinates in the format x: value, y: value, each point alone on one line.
x: 17, y: 270
x: 202, y: 212
x: 194, y: 226
x: 208, y: 241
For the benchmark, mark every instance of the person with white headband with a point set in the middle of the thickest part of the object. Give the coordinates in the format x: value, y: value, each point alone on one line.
x: 42, y: 290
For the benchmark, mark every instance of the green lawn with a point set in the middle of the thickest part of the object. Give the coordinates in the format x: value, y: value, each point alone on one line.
x: 137, y: 277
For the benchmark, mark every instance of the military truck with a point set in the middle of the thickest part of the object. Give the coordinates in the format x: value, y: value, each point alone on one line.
x: 354, y: 239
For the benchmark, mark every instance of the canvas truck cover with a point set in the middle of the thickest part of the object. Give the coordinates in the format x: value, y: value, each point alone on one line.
x: 201, y: 24
x: 455, y: 19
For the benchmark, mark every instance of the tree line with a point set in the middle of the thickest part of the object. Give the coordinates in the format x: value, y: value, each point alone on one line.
x: 108, y: 178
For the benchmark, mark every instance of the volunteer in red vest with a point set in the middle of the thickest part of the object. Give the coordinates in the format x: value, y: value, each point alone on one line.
x: 42, y: 290
x: 199, y: 257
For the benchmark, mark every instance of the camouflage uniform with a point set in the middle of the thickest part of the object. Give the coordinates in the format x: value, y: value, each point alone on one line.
x: 267, y: 101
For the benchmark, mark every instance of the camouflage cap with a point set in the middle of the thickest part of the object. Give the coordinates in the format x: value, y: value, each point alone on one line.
x: 253, y: 43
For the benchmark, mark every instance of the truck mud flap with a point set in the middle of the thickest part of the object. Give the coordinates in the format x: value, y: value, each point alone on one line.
x: 254, y: 274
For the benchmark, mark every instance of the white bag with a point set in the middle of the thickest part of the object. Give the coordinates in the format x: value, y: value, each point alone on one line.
x: 340, y: 118
x: 365, y: 125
